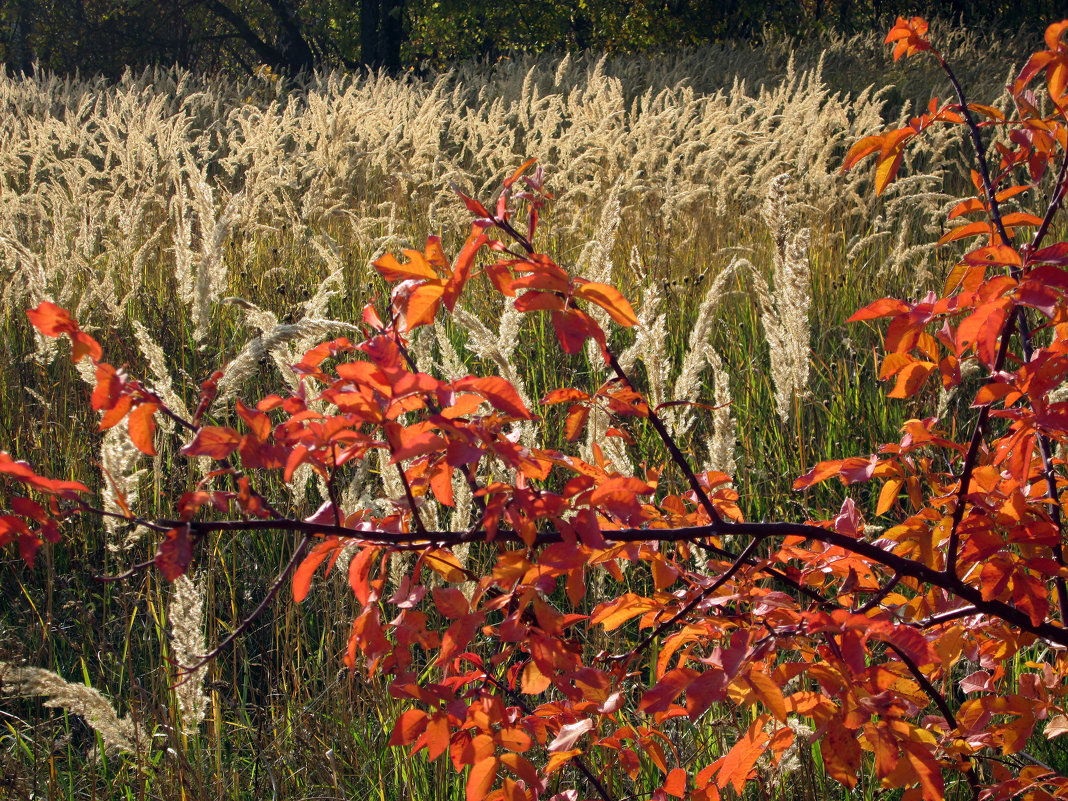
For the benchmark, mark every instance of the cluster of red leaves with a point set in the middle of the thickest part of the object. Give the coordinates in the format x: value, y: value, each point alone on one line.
x: 889, y: 652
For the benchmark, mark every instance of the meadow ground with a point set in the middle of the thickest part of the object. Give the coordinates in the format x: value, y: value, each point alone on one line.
x: 191, y: 221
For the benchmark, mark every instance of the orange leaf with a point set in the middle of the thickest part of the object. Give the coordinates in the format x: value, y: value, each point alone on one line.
x: 575, y: 423
x: 613, y: 614
x: 769, y: 693
x: 393, y: 270
x: 408, y: 727
x: 885, y: 307
x: 610, y: 299
x: 738, y: 763
x: 675, y: 784
x: 521, y: 767
x: 887, y: 169
x: 142, y: 425
x: 526, y: 165
x: 911, y: 378
x: 421, y: 306
x: 841, y: 754
x: 52, y: 320
x: 865, y: 147
x: 963, y: 231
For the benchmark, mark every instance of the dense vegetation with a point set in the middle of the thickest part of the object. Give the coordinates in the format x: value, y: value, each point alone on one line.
x: 205, y: 220
x: 290, y: 35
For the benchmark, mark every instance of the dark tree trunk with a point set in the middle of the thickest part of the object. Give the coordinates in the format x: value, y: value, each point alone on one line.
x: 381, y: 33
x: 20, y: 55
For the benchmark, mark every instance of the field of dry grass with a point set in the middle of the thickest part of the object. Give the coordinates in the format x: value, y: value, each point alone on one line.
x: 191, y: 221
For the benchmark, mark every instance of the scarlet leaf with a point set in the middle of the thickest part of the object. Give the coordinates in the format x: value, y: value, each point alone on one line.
x: 175, y: 553
x: 216, y: 442
x: 736, y: 766
x: 408, y: 727
x: 675, y: 784
x: 303, y: 575
x: 498, y: 392
x: 841, y: 754
x: 51, y: 320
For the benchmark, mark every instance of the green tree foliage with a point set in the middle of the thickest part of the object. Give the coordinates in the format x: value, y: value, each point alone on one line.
x: 292, y: 35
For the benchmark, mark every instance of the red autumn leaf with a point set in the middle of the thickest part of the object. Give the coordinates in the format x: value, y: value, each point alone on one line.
x: 909, y: 36
x: 841, y: 754
x: 408, y: 727
x: 258, y: 422
x: 417, y: 267
x: 575, y: 423
x: 569, y: 735
x: 458, y: 636
x: 663, y: 694
x: 472, y: 205
x: 421, y: 305
x: 302, y: 576
x: 498, y: 392
x: 84, y: 345
x: 462, y: 268
x: 521, y: 767
x: 451, y: 602
x: 22, y: 472
x: 564, y: 395
x: 109, y: 386
x: 360, y: 572
x: 51, y: 320
x: 675, y: 783
x: 911, y: 378
x: 142, y: 426
x: 174, y: 553
x: 526, y: 165
x: 619, y: 496
x: 216, y: 442
x: 573, y: 328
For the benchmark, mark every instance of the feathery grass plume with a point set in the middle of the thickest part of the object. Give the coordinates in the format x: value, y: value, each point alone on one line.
x: 450, y: 363
x: 784, y: 311
x: 121, y: 473
x: 724, y: 428
x: 211, y: 272
x: 247, y: 362
x: 118, y: 734
x: 699, y: 352
x: 650, y: 339
x: 185, y: 613
x: 162, y: 384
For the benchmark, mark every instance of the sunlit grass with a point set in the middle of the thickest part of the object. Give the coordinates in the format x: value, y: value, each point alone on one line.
x: 286, y: 721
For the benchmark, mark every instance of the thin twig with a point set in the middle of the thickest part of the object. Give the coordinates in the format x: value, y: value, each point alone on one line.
x: 943, y: 706
x: 243, y: 626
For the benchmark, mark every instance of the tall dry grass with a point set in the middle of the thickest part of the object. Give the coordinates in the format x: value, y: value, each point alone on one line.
x: 203, y: 221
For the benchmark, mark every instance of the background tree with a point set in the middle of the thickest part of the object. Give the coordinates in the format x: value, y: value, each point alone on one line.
x: 290, y: 36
